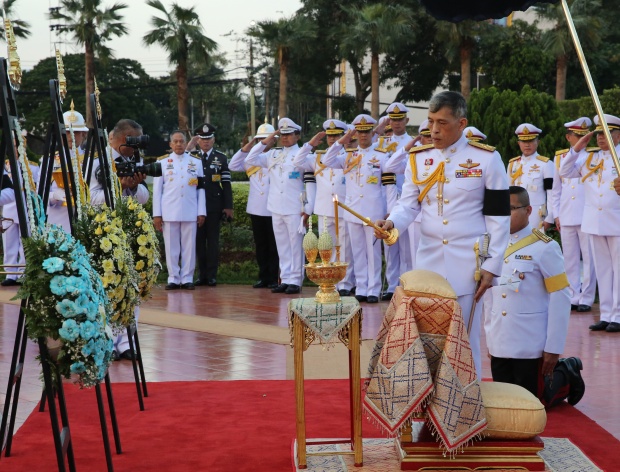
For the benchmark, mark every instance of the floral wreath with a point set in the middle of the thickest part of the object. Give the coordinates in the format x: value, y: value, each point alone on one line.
x: 142, y: 239
x: 101, y: 232
x: 67, y: 302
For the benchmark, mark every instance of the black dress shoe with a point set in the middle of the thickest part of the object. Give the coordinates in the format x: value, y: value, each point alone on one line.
x: 361, y: 298
x: 260, y: 284
x: 353, y: 290
x: 613, y: 327
x: 387, y: 296
x: 188, y: 286
x: 115, y: 355
x: 173, y: 287
x: 211, y: 282
x: 272, y: 285
x: 128, y: 355
x: 9, y: 283
x: 292, y: 289
x: 372, y: 299
x: 577, y: 385
x: 600, y: 326
x: 584, y: 308
x: 200, y: 282
x: 574, y: 307
x: 280, y: 288
x: 343, y: 292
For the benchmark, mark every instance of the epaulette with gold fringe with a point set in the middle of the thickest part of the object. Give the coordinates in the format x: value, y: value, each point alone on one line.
x: 593, y: 149
x: 417, y: 149
x: 483, y: 146
x: 351, y: 149
x: 321, y: 152
x: 543, y: 158
x: 563, y: 151
x: 542, y: 236
x: 515, y: 159
x: 162, y: 157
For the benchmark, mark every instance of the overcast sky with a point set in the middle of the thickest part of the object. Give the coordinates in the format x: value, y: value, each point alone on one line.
x: 223, y: 21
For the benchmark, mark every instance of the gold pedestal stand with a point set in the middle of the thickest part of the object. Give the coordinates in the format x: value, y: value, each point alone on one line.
x: 326, y: 276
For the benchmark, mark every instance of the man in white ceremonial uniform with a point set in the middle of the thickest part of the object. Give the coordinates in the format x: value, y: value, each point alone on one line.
x: 262, y: 225
x: 398, y: 257
x: 368, y: 189
x: 567, y: 202
x: 329, y: 182
x: 461, y: 189
x: 179, y: 206
x: 285, y: 200
x: 11, y: 235
x: 526, y: 329
x: 601, y: 215
x: 534, y: 173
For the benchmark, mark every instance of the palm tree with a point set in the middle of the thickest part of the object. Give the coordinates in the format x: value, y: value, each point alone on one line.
x: 91, y: 25
x: 285, y: 37
x: 21, y: 28
x: 557, y: 40
x: 180, y: 34
x: 460, y: 39
x: 376, y: 28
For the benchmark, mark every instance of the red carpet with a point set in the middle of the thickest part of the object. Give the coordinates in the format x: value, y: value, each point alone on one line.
x: 227, y: 427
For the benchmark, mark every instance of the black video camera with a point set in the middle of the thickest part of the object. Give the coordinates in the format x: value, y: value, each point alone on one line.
x: 128, y: 168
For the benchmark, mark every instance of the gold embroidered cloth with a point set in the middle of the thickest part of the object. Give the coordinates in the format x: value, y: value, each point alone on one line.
x: 422, y: 361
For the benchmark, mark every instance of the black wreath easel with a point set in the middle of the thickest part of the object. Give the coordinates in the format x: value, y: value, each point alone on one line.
x: 56, y: 143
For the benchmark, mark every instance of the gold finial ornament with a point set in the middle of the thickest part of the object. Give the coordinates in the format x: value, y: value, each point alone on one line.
x: 62, y: 80
x: 310, y: 244
x: 72, y: 117
x: 97, y: 103
x: 15, y: 68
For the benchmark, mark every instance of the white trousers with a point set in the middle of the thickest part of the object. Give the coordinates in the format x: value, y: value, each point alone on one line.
x: 408, y: 248
x: 366, y: 259
x: 576, y: 246
x: 606, y: 255
x: 13, y: 250
x: 474, y: 336
x: 346, y: 254
x: 392, y: 262
x: 290, y: 251
x: 180, y: 241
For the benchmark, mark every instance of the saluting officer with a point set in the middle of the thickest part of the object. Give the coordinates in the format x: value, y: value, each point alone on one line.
x: 461, y: 189
x: 178, y: 205
x: 218, y: 191
x: 527, y: 326
x: 568, y: 200
x: 534, y: 173
x: 368, y: 189
x: 285, y: 200
x: 601, y: 215
x: 329, y: 182
x: 262, y: 225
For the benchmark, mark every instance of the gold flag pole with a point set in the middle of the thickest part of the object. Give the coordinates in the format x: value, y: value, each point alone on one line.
x: 391, y: 235
x: 586, y: 72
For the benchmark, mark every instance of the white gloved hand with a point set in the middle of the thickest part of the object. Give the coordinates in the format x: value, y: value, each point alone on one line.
x: 58, y: 196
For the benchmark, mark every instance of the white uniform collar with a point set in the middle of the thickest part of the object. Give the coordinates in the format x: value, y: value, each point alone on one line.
x: 531, y: 156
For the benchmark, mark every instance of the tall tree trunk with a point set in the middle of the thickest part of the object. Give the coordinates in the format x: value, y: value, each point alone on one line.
x: 560, y: 77
x: 282, y: 112
x: 182, y: 95
x: 465, y: 52
x: 359, y: 88
x: 374, y: 85
x: 89, y: 63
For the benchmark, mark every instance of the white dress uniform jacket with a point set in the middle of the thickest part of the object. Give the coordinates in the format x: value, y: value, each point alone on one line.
x: 535, y: 174
x: 57, y: 212
x: 531, y: 303
x: 259, y: 184
x: 176, y: 194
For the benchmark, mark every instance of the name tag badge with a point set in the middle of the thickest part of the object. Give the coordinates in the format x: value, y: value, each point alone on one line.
x: 216, y: 178
x: 523, y: 257
x: 373, y: 179
x: 293, y: 175
x: 170, y: 166
x: 533, y: 188
x: 468, y: 173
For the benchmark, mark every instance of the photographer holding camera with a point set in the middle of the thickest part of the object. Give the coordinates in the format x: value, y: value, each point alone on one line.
x: 219, y: 205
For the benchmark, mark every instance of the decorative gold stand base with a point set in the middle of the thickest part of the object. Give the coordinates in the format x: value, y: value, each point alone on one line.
x: 326, y: 276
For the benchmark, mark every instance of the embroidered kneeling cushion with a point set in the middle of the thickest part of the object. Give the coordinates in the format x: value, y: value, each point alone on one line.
x: 512, y: 411
x: 425, y: 283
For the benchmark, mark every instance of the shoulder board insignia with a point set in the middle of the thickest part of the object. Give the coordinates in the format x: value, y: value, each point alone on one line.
x: 483, y: 146
x: 32, y: 163
x: 321, y: 152
x: 515, y: 159
x: 381, y: 149
x: 542, y: 236
x: 417, y: 149
x: 351, y: 149
x: 563, y: 151
x: 543, y: 158
x: 593, y: 149
x: 162, y: 157
x: 277, y: 148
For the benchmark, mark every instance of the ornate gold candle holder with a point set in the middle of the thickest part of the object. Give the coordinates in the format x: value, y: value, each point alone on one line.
x: 326, y: 276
